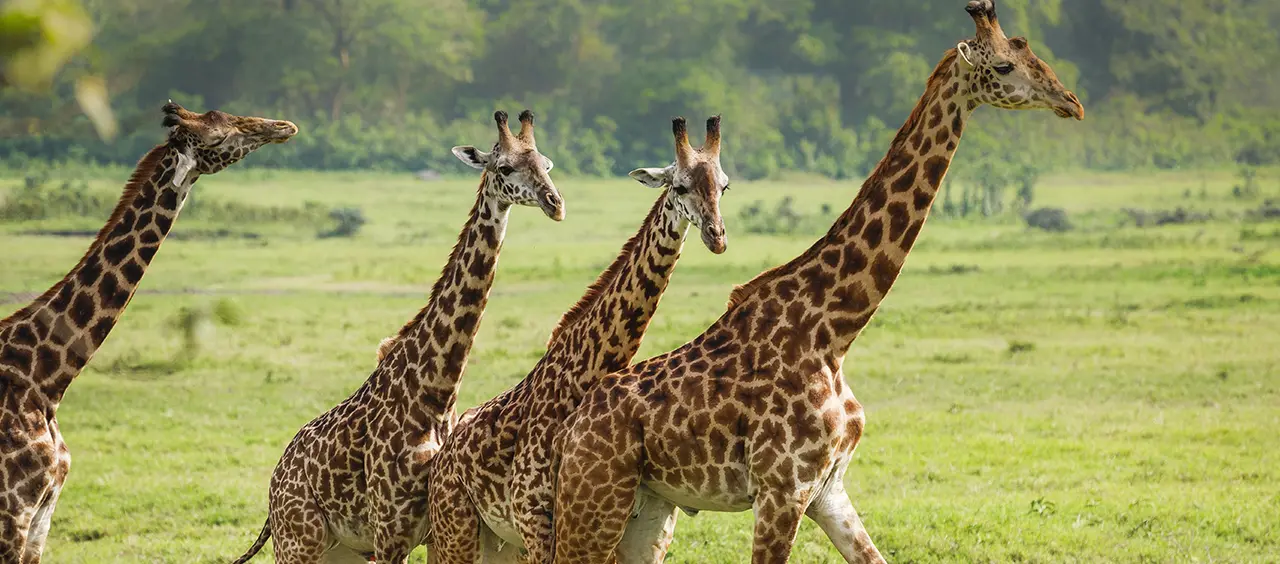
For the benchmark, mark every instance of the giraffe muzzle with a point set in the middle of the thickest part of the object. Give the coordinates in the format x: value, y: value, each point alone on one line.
x: 283, y: 131
x: 1069, y: 107
x: 551, y: 205
x: 713, y: 236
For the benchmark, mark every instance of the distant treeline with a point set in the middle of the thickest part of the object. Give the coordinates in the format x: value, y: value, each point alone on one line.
x: 805, y: 85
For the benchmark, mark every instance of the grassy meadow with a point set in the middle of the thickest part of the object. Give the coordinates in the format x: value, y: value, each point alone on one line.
x: 1108, y: 394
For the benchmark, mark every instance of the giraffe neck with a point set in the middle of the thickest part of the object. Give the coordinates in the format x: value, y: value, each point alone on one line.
x: 53, y: 338
x: 606, y: 327
x: 426, y: 361
x: 845, y: 276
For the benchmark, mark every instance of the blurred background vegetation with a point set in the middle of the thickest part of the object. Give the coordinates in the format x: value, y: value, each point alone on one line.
x: 816, y: 86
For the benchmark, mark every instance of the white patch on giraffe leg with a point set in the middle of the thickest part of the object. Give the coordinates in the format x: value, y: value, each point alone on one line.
x: 835, y: 515
x: 38, y: 531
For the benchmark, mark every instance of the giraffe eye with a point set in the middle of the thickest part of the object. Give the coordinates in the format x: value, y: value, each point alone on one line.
x: 506, y: 170
x: 1005, y: 68
x: 681, y: 190
x: 726, y: 188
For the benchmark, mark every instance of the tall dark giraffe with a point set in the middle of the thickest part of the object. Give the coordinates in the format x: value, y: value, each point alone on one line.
x: 755, y: 413
x: 45, y: 345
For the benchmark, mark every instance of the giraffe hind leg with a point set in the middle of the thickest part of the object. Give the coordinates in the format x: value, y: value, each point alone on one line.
x: 593, y: 514
x: 298, y: 531
x: 778, y: 512
x: 13, y: 537
x: 834, y: 513
x: 455, y: 522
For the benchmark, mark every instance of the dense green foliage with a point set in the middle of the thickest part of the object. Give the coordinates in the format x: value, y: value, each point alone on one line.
x: 812, y: 85
x: 1105, y: 394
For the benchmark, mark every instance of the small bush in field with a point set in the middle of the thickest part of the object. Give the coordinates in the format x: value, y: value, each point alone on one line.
x: 349, y: 221
x: 1048, y: 219
x: 783, y: 219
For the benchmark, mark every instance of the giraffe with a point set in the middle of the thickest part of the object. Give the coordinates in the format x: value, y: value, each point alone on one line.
x: 45, y: 345
x: 754, y: 413
x: 491, y: 482
x: 348, y: 486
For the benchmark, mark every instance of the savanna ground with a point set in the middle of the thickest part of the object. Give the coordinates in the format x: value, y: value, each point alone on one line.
x: 1106, y: 394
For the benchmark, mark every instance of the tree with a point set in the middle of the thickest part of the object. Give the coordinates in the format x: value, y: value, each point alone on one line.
x: 37, y: 39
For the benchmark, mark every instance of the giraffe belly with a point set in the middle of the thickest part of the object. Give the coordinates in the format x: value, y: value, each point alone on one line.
x: 731, y: 499
x: 351, y: 533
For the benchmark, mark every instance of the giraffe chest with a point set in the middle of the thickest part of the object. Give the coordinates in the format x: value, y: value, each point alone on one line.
x: 34, y: 460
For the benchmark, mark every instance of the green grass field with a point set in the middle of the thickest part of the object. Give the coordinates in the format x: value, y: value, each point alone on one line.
x: 1110, y: 394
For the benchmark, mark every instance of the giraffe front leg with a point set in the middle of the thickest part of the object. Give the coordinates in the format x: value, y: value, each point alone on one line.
x: 14, y: 528
x: 298, y: 531
x: 391, y: 544
x: 38, y: 530
x: 595, y: 493
x: 533, y: 499
x: 401, y: 527
x: 777, y: 514
x: 455, y: 523
x: 839, y: 520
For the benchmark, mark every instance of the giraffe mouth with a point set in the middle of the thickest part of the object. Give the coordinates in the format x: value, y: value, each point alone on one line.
x: 284, y: 131
x: 1068, y: 113
x: 1070, y: 108
x: 552, y: 205
x: 714, y: 238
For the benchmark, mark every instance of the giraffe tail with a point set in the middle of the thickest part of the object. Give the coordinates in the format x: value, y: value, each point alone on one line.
x: 257, y: 544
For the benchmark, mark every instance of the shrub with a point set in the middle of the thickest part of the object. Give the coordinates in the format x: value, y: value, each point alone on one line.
x: 783, y: 219
x: 349, y: 221
x: 1048, y: 219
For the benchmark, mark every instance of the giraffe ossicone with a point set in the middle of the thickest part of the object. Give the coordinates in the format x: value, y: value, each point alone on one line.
x: 45, y: 345
x: 754, y: 413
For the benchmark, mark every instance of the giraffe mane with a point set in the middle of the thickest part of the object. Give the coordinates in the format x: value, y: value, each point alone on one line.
x: 384, y: 347
x: 941, y: 73
x: 597, y: 288
x: 142, y: 173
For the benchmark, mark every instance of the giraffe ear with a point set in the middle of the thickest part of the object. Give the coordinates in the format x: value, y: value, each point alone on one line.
x: 473, y: 157
x: 186, y: 162
x: 964, y: 50
x: 652, y: 177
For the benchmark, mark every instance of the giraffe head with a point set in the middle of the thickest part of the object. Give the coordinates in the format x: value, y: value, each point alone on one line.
x: 1005, y: 73
x: 214, y: 140
x: 696, y: 182
x: 519, y: 172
